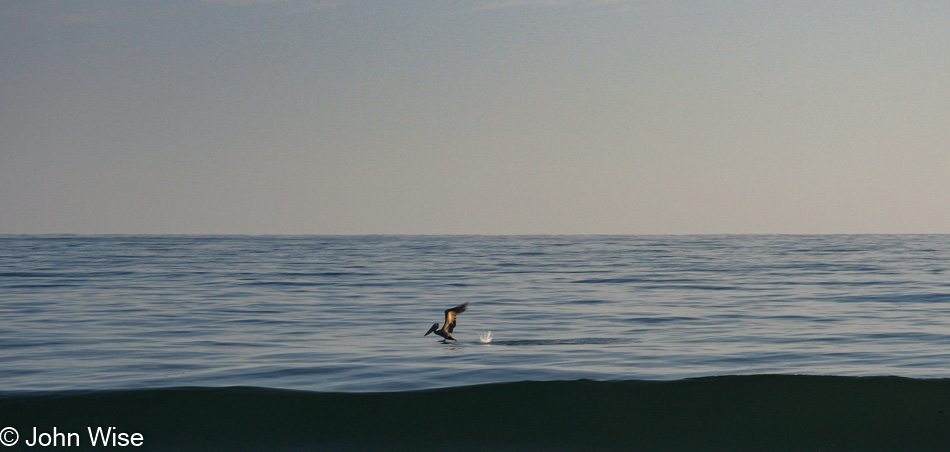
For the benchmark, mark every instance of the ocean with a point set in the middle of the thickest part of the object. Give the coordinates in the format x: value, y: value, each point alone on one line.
x: 299, y: 343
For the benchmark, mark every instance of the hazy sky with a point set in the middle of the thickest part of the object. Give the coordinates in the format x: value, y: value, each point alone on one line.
x: 488, y: 117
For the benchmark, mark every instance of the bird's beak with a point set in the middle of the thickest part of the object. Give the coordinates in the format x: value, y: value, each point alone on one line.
x: 434, y: 327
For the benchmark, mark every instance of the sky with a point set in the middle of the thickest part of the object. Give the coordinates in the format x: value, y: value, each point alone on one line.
x: 474, y: 117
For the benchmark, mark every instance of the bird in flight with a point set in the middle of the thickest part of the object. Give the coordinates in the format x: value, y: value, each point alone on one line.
x: 449, y: 325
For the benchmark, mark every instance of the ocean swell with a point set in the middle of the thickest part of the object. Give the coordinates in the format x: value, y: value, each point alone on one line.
x: 734, y: 413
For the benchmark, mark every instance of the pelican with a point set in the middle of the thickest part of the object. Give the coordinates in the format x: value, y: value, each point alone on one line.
x: 449, y: 325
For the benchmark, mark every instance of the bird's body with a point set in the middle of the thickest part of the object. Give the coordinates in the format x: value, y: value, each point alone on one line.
x: 446, y: 331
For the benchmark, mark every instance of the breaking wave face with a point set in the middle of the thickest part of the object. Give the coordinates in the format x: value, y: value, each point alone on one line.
x: 726, y: 413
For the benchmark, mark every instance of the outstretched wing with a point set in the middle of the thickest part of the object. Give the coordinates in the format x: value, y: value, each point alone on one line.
x: 450, y: 314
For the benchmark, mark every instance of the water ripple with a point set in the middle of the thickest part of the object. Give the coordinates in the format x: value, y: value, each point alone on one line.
x: 349, y: 313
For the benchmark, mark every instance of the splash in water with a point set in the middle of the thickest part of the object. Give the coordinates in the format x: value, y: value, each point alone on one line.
x: 485, y: 338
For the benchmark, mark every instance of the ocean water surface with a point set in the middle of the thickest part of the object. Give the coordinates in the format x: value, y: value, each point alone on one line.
x: 304, y: 323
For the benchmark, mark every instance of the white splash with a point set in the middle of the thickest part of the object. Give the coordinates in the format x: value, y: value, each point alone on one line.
x: 485, y: 338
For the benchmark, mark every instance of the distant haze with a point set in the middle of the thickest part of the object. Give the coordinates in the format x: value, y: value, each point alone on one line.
x: 484, y: 117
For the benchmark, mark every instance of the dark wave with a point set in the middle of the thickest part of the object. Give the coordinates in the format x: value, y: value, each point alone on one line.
x: 731, y: 413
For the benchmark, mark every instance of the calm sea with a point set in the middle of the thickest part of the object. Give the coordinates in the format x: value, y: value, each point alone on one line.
x: 345, y: 316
